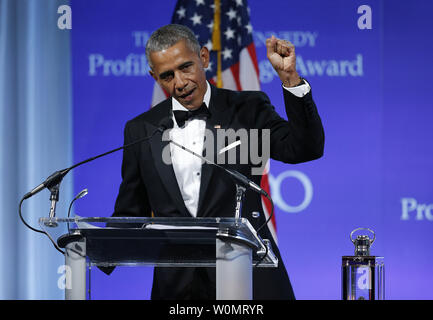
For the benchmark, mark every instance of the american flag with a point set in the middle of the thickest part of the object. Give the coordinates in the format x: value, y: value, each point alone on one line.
x: 224, y: 27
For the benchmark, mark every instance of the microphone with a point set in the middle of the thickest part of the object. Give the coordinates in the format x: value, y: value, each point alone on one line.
x: 247, y: 182
x: 80, y: 195
x: 55, y: 178
x: 50, y: 182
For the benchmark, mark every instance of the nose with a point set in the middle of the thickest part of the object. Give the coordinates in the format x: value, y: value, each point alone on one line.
x: 180, y: 81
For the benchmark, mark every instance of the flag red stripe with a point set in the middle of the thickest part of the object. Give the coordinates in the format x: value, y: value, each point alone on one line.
x: 252, y: 51
x: 264, y: 183
x: 235, y: 71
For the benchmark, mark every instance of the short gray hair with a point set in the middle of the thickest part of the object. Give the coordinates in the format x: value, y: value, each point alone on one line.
x: 167, y: 36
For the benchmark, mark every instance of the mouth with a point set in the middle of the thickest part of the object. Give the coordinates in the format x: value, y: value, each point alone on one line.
x: 187, y: 96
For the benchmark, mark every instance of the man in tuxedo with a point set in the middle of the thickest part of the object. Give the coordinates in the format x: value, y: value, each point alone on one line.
x: 186, y: 187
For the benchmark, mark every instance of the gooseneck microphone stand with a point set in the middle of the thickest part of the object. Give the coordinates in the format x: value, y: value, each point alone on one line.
x: 52, y: 183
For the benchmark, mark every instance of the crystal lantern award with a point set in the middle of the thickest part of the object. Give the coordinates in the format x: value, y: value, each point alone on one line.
x: 363, y: 275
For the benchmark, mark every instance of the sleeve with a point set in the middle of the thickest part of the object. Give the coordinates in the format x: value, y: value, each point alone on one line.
x: 300, y: 90
x: 298, y: 139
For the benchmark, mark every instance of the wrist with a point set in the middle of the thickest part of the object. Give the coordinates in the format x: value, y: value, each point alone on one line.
x: 291, y: 80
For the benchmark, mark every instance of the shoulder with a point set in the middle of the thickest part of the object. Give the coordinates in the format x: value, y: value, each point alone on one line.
x: 238, y: 99
x: 151, y: 117
x: 250, y: 109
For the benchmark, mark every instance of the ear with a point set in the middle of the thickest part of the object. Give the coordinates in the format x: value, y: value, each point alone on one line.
x: 153, y: 75
x: 204, y: 57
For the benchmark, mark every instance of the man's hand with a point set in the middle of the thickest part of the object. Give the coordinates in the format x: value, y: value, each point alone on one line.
x: 281, y: 54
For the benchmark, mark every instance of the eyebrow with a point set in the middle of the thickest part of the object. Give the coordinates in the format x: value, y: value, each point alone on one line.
x: 166, y: 74
x: 185, y: 64
x: 171, y: 72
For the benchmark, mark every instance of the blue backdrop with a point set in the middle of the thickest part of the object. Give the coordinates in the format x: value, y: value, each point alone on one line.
x: 372, y: 90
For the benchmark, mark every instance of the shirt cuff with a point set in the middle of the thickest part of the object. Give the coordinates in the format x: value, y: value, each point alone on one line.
x: 299, y: 91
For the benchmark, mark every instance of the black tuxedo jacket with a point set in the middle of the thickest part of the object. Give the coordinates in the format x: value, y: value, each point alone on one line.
x: 149, y: 185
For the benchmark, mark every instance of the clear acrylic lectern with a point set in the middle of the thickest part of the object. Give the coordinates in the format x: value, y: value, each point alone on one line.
x: 229, y: 244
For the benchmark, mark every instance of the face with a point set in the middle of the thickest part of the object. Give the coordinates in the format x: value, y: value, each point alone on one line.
x: 180, y: 71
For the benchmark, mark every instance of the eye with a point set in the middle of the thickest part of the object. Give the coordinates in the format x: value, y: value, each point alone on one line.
x: 167, y: 78
x: 186, y: 67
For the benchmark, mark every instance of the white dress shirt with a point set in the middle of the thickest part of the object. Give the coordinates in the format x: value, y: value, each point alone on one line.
x: 300, y: 90
x: 187, y: 167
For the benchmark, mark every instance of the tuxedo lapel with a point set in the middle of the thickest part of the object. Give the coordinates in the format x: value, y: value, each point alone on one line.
x: 219, y: 119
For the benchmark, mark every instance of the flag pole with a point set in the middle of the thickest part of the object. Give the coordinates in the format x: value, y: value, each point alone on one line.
x: 216, y: 40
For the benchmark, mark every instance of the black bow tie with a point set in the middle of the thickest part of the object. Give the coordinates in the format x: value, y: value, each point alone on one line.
x: 182, y: 116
